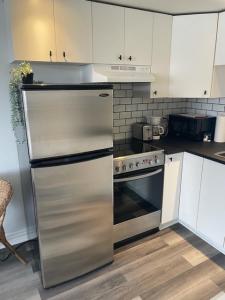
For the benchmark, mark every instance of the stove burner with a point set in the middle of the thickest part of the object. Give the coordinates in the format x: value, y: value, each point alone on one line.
x: 131, y: 147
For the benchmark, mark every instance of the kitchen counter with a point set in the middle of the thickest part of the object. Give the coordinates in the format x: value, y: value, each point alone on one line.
x: 173, y: 145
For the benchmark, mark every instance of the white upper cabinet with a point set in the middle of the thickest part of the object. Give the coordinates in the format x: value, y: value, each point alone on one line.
x: 190, y: 190
x: 108, y: 33
x: 31, y: 28
x: 211, y: 220
x: 138, y: 37
x: 192, y: 55
x: 220, y: 45
x: 121, y: 35
x: 162, y: 35
x: 73, y: 28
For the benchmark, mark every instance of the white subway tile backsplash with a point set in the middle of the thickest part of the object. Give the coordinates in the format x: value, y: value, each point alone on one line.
x: 119, y: 108
x: 119, y: 122
x: 218, y: 107
x: 116, y: 101
x: 214, y: 100
x: 125, y: 115
x: 129, y: 93
x: 207, y: 106
x: 125, y: 100
x: 137, y: 100
x: 120, y: 93
x: 119, y: 136
x: 130, y: 121
x: 142, y: 106
x: 132, y: 107
x: 125, y: 128
x: 129, y: 110
x: 116, y: 116
x: 137, y: 114
x: 196, y: 105
x: 152, y: 106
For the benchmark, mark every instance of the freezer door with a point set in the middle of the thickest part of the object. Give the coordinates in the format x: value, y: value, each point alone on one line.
x: 66, y: 122
x: 74, y: 207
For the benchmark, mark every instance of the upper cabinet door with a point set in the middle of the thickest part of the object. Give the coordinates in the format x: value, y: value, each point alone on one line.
x: 108, y: 33
x: 162, y: 35
x: 73, y: 31
x: 192, y: 55
x: 138, y: 37
x: 32, y: 30
x: 220, y: 46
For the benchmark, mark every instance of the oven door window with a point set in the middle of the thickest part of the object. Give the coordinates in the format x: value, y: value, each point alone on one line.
x: 137, y: 194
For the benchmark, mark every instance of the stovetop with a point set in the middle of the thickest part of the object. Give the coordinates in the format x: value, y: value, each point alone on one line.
x: 127, y: 147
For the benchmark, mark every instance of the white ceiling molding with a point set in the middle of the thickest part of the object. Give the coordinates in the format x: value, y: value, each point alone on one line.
x: 173, y: 6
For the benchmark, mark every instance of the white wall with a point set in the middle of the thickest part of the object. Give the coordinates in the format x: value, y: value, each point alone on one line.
x: 15, y: 224
x: 9, y: 168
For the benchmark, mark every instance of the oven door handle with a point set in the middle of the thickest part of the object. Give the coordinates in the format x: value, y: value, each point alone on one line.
x: 138, y: 177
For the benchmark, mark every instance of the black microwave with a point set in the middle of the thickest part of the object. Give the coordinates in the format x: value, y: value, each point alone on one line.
x: 191, y: 126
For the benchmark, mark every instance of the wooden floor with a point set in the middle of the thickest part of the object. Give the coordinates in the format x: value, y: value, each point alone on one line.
x: 172, y: 264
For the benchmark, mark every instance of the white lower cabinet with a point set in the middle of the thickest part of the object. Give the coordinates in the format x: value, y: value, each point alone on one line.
x: 211, y: 214
x: 171, y: 189
x: 190, y: 190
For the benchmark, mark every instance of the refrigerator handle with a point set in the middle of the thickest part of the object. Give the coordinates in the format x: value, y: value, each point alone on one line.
x: 66, y: 160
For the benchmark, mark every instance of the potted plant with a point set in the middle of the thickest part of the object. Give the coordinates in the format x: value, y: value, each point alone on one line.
x: 18, y: 75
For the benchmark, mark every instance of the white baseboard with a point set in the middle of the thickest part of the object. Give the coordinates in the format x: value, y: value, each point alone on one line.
x: 20, y: 236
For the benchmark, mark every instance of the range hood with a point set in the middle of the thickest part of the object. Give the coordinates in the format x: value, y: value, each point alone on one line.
x: 116, y: 73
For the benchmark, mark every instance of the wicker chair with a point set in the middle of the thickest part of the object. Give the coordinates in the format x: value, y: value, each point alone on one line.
x: 5, y: 197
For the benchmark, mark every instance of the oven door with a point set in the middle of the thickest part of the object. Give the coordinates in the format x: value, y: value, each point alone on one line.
x: 137, y: 202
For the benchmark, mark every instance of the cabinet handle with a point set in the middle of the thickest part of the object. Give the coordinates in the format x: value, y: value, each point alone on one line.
x: 205, y: 92
x: 155, y: 93
x: 130, y: 58
x: 50, y: 55
x: 120, y: 57
x: 64, y: 55
x: 171, y: 159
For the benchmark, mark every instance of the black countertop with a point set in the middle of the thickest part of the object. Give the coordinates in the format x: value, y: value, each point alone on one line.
x: 173, y: 145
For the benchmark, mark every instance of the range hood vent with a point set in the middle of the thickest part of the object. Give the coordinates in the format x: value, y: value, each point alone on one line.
x: 116, y: 73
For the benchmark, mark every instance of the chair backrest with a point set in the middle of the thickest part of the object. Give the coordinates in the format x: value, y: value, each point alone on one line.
x: 5, y: 197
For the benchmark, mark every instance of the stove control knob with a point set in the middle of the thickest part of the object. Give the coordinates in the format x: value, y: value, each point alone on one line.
x: 137, y: 164
x: 124, y: 167
x: 157, y: 160
x: 131, y: 165
x: 117, y: 169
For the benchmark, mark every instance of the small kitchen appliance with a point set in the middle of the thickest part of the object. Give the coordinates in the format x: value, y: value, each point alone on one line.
x: 138, y: 186
x: 142, y: 131
x: 191, y: 126
x: 158, y: 126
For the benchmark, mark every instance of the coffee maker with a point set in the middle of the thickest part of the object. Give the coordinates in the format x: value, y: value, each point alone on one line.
x: 159, y: 126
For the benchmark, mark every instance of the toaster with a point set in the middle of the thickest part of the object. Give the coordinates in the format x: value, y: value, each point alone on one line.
x: 142, y: 131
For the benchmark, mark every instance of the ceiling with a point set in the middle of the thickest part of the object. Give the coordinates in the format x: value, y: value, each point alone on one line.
x: 174, y: 6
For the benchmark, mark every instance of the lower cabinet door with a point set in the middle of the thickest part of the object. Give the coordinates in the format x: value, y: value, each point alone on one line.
x: 211, y: 214
x: 190, y: 190
x: 171, y: 189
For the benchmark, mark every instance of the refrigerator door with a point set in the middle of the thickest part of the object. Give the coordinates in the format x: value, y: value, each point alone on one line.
x: 67, y: 122
x: 74, y: 207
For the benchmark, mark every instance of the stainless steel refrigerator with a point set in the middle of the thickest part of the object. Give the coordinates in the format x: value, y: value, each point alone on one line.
x: 69, y: 133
